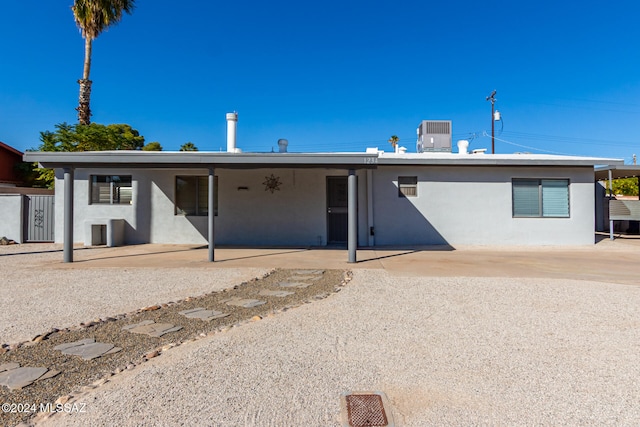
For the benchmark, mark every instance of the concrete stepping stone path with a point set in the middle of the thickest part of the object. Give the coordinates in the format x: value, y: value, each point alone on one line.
x: 203, y: 314
x: 15, y: 378
x: 87, y: 348
x: 300, y: 285
x: 244, y: 302
x: 151, y: 328
x: 304, y: 272
x: 307, y: 277
x: 280, y: 294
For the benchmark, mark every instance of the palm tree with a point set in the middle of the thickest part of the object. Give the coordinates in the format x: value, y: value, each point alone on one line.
x: 394, y: 141
x: 93, y: 17
x: 188, y: 146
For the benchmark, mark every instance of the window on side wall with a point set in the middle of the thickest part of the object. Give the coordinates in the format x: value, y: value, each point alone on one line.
x: 192, y: 195
x: 540, y: 198
x: 407, y: 186
x: 111, y: 190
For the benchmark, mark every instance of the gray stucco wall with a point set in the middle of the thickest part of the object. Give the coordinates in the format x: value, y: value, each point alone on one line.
x: 473, y: 205
x: 11, y: 213
x: 455, y: 205
x: 295, y: 215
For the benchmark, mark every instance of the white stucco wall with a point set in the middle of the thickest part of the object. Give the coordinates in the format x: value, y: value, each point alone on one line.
x: 473, y: 205
x: 11, y: 212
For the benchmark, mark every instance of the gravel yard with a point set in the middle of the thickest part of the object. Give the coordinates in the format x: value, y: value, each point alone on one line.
x: 446, y: 351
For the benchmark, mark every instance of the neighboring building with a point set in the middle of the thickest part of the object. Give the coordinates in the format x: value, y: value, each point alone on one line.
x: 9, y: 158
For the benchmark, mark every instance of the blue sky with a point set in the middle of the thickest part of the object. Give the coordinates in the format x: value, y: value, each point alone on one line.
x: 334, y: 75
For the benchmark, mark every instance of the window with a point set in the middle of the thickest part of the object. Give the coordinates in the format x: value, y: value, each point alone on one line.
x: 111, y: 189
x: 407, y: 186
x: 192, y: 195
x: 548, y: 198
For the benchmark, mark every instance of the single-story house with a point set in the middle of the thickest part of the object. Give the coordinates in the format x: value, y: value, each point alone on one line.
x: 318, y: 199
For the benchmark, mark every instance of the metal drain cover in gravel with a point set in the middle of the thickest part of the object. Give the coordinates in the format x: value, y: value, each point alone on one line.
x: 365, y: 409
x: 203, y: 314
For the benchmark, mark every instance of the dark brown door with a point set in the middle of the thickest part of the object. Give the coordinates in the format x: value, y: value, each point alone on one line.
x: 337, y: 203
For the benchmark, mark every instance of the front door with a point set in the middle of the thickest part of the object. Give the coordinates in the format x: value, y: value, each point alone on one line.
x: 337, y: 210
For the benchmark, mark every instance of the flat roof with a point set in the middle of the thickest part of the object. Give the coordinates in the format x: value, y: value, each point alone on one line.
x: 617, y: 171
x: 200, y: 159
x: 203, y: 159
x: 455, y: 159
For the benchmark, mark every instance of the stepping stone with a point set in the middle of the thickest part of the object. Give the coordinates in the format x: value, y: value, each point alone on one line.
x: 306, y: 277
x: 281, y: 294
x: 149, y: 327
x: 203, y: 314
x: 300, y: 285
x: 9, y: 366
x: 17, y: 378
x: 316, y: 272
x: 244, y: 302
x: 87, y: 348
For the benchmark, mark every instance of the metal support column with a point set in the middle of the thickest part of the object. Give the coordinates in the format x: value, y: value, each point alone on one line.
x: 212, y: 212
x: 610, y: 195
x: 68, y: 215
x: 352, y: 207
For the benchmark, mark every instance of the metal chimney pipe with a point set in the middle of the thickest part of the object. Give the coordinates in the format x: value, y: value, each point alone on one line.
x: 232, y: 124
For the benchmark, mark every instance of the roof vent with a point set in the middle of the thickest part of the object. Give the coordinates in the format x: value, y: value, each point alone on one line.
x: 282, y: 145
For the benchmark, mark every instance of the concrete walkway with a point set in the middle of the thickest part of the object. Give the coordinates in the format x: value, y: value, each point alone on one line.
x: 612, y: 261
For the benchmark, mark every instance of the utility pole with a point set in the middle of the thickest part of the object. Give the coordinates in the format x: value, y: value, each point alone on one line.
x: 492, y: 98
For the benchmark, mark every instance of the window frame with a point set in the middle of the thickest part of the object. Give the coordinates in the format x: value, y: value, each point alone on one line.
x: 540, y: 197
x: 199, y: 181
x: 94, y: 193
x: 410, y: 187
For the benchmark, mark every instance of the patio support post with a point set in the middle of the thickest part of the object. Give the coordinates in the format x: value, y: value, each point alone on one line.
x: 610, y: 194
x: 352, y: 207
x: 68, y: 215
x: 211, y: 212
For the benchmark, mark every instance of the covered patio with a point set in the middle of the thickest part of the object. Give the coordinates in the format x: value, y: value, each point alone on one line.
x: 619, y: 210
x: 202, y: 161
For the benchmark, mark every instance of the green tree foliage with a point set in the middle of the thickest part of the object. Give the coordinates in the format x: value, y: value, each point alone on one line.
x: 624, y: 186
x: 91, y: 137
x: 152, y: 146
x: 188, y: 146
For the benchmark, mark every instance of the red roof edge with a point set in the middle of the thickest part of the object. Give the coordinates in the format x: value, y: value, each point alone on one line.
x: 10, y: 148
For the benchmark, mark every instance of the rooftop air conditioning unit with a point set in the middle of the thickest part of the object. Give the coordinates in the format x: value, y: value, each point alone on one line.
x: 434, y: 136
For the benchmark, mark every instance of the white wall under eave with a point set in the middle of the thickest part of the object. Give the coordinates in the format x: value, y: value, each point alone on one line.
x: 473, y: 205
x: 11, y: 212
